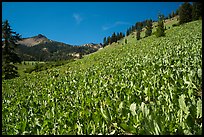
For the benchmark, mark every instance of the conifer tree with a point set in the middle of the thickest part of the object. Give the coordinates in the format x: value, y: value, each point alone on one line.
x: 121, y: 35
x: 117, y: 36
x: 128, y: 31
x: 169, y: 16
x: 113, y: 38
x: 160, y: 27
x: 138, y: 35
x: 109, y: 40
x: 173, y: 14
x: 9, y: 56
x: 196, y: 10
x: 177, y: 12
x: 104, y: 42
x: 148, y: 31
x: 139, y: 26
x: 133, y: 28
x: 185, y: 13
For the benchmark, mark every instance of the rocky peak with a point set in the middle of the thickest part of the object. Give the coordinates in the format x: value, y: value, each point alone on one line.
x: 39, y: 36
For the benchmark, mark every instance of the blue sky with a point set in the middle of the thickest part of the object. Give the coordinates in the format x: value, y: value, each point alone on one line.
x: 79, y: 23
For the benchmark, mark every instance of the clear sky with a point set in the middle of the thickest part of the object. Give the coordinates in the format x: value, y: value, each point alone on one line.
x: 79, y: 23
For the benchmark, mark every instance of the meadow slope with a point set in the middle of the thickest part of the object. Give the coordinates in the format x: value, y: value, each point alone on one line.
x: 150, y: 86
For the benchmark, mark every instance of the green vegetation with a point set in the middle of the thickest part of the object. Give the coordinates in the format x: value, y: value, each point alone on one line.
x: 160, y: 27
x: 150, y: 86
x: 36, y: 66
x: 47, y: 65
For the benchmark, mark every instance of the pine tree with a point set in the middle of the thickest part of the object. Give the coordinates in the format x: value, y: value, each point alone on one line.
x: 173, y: 14
x: 128, y: 31
x: 138, y: 35
x: 113, y: 38
x: 148, y: 31
x: 196, y: 10
x: 169, y: 16
x: 109, y: 40
x: 117, y: 36
x: 104, y: 42
x: 9, y: 57
x: 160, y: 27
x: 177, y: 12
x: 121, y: 35
x: 143, y: 24
x: 133, y: 28
x: 139, y: 26
x: 185, y: 13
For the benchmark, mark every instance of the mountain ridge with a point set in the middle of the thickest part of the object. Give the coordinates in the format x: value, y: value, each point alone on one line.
x: 41, y: 48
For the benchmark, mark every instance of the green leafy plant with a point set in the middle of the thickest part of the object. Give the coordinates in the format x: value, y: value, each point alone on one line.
x: 147, y: 89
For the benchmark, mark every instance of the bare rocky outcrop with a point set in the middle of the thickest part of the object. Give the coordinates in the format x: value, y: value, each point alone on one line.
x: 32, y: 41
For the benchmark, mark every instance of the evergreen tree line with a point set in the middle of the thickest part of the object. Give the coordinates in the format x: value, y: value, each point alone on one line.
x: 186, y: 12
x: 114, y: 38
x: 172, y: 14
x: 139, y: 26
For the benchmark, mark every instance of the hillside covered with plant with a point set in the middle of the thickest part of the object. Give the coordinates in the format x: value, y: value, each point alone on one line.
x: 146, y: 83
x: 151, y: 86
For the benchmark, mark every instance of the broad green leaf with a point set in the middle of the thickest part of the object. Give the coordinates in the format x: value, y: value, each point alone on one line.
x: 200, y: 73
x: 121, y: 106
x: 182, y: 104
x: 102, y: 112
x: 199, y: 108
x: 23, y: 126
x: 133, y: 109
x: 157, y: 129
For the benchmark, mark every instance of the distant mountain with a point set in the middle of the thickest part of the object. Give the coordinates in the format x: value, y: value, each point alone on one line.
x: 40, y: 48
x: 34, y: 40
